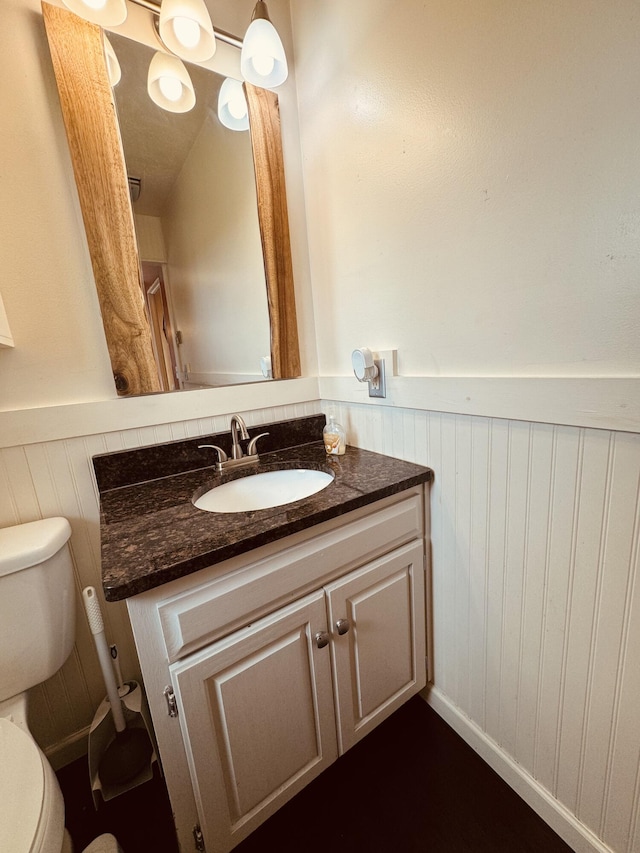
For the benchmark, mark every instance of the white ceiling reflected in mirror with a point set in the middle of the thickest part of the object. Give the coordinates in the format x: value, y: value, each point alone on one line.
x: 211, y: 228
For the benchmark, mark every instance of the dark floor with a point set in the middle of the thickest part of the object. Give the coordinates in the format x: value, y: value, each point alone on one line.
x: 411, y: 785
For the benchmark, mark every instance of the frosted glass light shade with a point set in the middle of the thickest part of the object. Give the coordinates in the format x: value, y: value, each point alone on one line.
x: 186, y: 29
x: 169, y: 85
x: 262, y: 60
x: 232, y: 105
x: 106, y: 13
x: 113, y: 66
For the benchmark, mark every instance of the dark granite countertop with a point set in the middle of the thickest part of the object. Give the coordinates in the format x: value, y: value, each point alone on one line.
x: 151, y: 532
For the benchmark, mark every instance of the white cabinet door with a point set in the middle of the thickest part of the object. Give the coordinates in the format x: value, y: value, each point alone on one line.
x: 257, y: 717
x: 379, y: 662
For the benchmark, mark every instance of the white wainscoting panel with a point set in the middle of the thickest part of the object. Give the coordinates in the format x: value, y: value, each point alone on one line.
x: 39, y: 480
x: 536, y: 599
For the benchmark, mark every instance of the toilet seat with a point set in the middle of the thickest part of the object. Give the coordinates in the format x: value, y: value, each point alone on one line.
x: 31, y: 804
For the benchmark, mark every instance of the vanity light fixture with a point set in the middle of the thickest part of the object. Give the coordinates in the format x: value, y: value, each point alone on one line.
x: 184, y: 25
x: 186, y: 29
x: 113, y: 66
x: 169, y: 85
x: 106, y: 13
x: 232, y: 105
x: 262, y: 58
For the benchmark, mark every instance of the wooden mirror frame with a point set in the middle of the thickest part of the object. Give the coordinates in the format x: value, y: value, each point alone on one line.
x: 97, y: 156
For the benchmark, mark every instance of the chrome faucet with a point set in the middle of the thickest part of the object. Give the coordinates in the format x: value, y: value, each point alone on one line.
x: 237, y: 423
x: 239, y: 432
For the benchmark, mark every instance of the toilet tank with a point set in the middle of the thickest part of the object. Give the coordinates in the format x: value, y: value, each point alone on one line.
x: 37, y: 603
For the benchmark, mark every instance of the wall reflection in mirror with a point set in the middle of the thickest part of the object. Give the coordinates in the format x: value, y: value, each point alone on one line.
x: 196, y: 217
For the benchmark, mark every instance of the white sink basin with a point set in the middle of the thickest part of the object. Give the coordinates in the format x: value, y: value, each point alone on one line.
x: 262, y: 491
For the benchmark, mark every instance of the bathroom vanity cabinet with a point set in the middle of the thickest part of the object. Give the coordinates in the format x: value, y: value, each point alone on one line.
x: 261, y: 670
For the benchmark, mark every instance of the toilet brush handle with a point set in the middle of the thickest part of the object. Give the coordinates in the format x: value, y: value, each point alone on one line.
x: 92, y: 606
x: 94, y: 615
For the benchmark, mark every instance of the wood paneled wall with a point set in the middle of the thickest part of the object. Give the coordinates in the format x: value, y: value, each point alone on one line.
x: 536, y: 604
x: 536, y: 600
x: 56, y: 478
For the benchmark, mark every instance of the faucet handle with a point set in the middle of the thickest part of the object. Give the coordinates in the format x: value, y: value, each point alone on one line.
x: 222, y: 456
x: 251, y: 448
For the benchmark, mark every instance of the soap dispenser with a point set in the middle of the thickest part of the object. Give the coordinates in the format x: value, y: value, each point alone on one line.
x: 334, y: 436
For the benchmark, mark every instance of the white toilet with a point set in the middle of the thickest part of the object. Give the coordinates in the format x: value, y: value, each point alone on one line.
x: 37, y: 630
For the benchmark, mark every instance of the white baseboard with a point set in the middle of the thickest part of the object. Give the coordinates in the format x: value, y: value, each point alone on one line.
x: 65, y: 751
x: 578, y: 836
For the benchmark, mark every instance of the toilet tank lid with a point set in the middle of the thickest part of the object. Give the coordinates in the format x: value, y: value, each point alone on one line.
x: 26, y: 545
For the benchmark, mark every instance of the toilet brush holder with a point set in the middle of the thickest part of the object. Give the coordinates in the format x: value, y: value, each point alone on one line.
x: 102, y: 734
x: 120, y: 744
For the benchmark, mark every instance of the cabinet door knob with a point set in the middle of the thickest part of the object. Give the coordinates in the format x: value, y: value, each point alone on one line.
x: 322, y: 639
x: 342, y: 626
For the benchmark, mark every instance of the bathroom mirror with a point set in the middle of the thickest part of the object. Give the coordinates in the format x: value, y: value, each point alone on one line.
x: 211, y: 308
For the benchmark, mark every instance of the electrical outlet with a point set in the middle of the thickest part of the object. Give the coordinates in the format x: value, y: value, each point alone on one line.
x: 378, y: 386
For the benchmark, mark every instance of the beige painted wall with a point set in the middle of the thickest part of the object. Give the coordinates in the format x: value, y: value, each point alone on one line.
x: 150, y: 239
x: 472, y: 183
x: 60, y: 355
x: 47, y: 283
x: 214, y: 253
x: 471, y: 190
